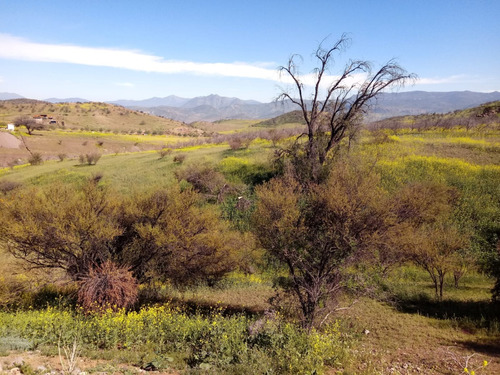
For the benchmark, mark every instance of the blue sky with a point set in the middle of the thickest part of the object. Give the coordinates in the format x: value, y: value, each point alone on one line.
x: 107, y: 50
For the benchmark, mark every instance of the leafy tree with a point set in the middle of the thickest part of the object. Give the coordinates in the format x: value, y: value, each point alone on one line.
x: 167, y: 235
x: 437, y: 250
x: 436, y: 244
x: 319, y: 230
x: 60, y: 227
x: 164, y: 234
x: 334, y: 113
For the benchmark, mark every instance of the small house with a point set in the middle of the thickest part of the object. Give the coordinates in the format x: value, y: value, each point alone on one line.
x: 11, y: 127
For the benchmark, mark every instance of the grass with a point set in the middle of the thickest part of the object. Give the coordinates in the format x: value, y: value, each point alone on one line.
x: 467, y: 307
x: 411, y: 332
x: 226, y: 126
x: 51, y: 144
x: 238, y: 292
x: 143, y: 169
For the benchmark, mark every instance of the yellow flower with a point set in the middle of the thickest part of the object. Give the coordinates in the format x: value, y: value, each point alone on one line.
x: 485, y: 363
x: 466, y: 370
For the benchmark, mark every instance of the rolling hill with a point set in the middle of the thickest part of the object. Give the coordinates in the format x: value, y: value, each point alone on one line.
x: 485, y: 114
x: 419, y: 102
x: 92, y: 116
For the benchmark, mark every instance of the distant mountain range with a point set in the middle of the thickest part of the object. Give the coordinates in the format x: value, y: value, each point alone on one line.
x: 9, y: 96
x: 215, y: 107
x: 207, y: 108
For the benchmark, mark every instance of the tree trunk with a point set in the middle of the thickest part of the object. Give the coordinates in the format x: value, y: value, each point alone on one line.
x: 457, y: 275
x: 441, y: 283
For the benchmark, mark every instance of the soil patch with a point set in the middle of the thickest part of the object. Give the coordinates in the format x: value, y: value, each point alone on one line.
x: 9, y: 141
x: 16, y: 362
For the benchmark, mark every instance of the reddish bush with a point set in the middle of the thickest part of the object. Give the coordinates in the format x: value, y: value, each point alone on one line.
x: 235, y: 143
x: 107, y: 286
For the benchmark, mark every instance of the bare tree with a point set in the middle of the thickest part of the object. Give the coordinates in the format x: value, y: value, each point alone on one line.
x: 29, y: 123
x: 331, y: 113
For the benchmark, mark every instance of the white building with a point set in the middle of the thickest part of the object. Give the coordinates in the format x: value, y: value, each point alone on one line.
x: 11, y: 127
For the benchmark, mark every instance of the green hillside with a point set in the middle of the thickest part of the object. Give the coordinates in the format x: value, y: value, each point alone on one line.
x: 487, y: 114
x: 294, y: 117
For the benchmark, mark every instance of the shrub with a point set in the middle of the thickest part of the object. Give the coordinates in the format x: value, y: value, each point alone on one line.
x: 11, y: 290
x: 107, y: 286
x: 61, y: 156
x: 179, y: 158
x: 164, y: 152
x: 35, y: 159
x: 235, y: 143
x: 7, y: 186
x: 164, y: 235
x: 11, y: 164
x: 204, y: 179
x: 91, y: 158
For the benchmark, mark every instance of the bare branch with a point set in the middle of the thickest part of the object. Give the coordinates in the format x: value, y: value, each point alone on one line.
x: 335, y: 107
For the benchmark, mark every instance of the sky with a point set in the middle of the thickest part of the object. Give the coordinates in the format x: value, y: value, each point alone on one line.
x: 109, y: 50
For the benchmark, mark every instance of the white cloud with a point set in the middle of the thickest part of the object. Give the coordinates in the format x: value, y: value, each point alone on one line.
x: 21, y: 49
x: 17, y: 48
